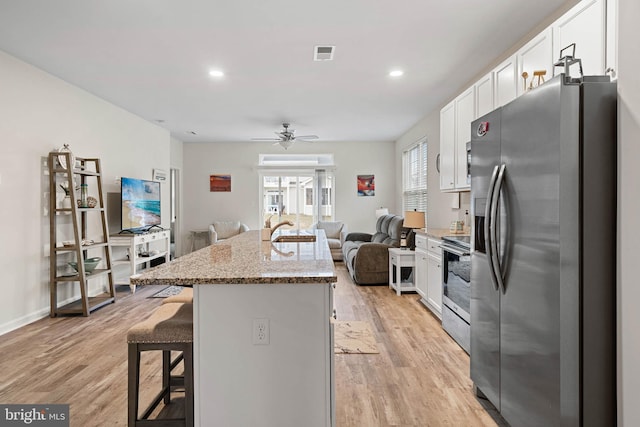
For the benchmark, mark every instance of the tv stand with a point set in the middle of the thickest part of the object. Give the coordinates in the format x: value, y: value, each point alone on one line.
x: 150, y: 240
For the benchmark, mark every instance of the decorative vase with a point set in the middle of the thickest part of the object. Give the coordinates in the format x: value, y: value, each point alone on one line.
x: 66, y: 202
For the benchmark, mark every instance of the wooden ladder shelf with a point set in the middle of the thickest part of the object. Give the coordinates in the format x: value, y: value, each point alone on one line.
x: 71, y: 173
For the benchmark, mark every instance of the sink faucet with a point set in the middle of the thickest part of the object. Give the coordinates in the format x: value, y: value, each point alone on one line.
x: 280, y: 224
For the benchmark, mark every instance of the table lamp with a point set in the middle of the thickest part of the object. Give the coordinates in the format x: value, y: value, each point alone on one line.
x: 381, y: 211
x: 413, y: 219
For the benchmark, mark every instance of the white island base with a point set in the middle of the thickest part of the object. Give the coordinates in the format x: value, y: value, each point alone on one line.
x: 287, y: 382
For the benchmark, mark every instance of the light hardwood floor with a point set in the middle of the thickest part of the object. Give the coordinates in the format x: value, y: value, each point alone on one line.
x: 419, y: 378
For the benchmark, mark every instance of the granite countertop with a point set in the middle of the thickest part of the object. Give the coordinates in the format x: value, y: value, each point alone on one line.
x: 245, y: 259
x: 439, y: 233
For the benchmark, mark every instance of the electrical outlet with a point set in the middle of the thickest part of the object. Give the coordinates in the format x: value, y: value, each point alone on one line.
x: 260, y: 331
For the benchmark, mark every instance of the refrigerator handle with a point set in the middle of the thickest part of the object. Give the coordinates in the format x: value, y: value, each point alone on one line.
x: 493, y: 242
x: 487, y: 226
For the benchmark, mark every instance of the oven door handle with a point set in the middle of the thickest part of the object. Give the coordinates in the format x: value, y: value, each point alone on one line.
x: 454, y: 251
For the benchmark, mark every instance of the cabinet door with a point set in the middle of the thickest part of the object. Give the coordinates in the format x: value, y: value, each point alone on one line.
x: 447, y: 146
x: 583, y: 25
x: 421, y: 272
x: 612, y: 38
x: 504, y: 81
x: 465, y: 112
x: 537, y: 55
x: 484, y: 95
x: 434, y: 283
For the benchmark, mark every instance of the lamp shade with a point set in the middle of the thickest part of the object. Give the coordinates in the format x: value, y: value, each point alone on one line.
x: 413, y: 219
x: 382, y: 211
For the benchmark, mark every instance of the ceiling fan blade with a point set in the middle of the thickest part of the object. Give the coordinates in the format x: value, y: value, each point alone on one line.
x: 266, y: 139
x: 307, y: 137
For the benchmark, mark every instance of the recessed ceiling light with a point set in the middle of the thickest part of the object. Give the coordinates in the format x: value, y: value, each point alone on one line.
x: 216, y: 73
x: 396, y: 73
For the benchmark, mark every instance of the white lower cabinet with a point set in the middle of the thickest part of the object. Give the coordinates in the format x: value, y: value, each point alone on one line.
x: 428, y: 273
x: 434, y: 283
x: 420, y: 271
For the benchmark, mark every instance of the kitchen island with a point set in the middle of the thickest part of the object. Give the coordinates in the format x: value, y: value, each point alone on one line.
x: 263, y: 339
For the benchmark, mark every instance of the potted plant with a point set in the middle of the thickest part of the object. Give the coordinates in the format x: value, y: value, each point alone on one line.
x: 66, y: 202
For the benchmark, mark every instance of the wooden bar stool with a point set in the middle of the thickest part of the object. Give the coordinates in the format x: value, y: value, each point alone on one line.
x: 185, y: 297
x: 169, y: 328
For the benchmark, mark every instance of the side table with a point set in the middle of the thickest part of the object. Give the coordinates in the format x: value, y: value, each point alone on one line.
x: 399, y: 258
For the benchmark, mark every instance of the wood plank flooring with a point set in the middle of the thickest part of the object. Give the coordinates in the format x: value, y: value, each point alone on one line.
x: 419, y: 378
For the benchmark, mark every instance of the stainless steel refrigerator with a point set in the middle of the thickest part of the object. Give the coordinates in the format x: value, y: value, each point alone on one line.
x: 543, y: 200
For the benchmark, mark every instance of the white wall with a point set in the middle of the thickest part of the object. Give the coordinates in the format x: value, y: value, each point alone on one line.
x: 40, y: 113
x: 629, y: 212
x: 240, y: 160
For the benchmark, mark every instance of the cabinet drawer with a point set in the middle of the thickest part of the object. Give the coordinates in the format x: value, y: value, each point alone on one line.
x: 433, y: 245
x: 421, y: 241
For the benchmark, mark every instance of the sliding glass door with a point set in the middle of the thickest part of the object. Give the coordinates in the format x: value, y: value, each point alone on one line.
x: 302, y: 197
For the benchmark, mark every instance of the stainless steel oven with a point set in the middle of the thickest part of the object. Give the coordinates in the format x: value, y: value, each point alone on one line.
x: 456, y: 288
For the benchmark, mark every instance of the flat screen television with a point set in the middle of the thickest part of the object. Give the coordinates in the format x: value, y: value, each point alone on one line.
x: 140, y: 208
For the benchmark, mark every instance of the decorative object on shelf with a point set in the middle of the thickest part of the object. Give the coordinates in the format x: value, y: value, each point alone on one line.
x: 413, y: 219
x: 540, y: 75
x: 65, y: 203
x: 220, y: 183
x: 366, y: 185
x: 567, y: 59
x: 62, y: 160
x: 82, y: 203
x: 91, y: 202
x: 456, y: 227
x: 90, y: 264
x: 159, y: 175
x: 525, y: 75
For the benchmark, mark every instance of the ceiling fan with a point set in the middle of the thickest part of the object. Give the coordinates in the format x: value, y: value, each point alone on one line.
x: 286, y: 137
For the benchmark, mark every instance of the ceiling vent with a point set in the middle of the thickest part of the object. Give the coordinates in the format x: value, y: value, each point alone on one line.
x: 323, y: 53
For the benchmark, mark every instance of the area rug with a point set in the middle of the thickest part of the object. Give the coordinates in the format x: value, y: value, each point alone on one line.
x: 168, y: 291
x: 353, y: 337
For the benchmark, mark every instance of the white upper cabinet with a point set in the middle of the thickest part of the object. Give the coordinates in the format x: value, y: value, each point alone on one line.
x: 465, y: 114
x: 612, y: 38
x: 484, y: 95
x: 535, y: 56
x: 504, y: 81
x: 455, y: 132
x: 584, y: 25
x: 447, y: 146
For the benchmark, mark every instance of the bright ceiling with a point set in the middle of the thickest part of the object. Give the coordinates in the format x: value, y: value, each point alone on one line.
x: 153, y: 58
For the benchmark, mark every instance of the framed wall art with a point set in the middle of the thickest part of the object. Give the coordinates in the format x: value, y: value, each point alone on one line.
x: 220, y: 183
x: 366, y: 185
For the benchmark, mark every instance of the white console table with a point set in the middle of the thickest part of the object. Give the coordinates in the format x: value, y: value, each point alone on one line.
x: 156, y: 244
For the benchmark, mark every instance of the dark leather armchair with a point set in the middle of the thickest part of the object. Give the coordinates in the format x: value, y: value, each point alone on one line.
x: 367, y: 255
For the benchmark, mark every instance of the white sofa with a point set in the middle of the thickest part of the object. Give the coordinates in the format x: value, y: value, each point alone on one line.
x: 220, y: 230
x: 336, y: 232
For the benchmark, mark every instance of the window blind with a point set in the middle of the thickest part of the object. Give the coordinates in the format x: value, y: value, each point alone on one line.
x: 414, y: 182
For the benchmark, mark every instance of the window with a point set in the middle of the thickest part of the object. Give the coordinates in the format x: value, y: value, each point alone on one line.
x: 414, y: 177
x: 298, y: 188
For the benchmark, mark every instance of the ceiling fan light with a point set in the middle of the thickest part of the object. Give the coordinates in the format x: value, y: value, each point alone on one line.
x: 396, y: 73
x: 216, y: 73
x: 286, y: 143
